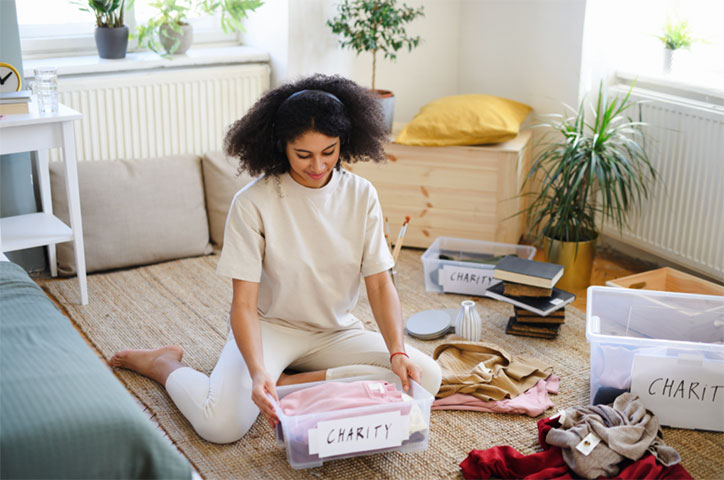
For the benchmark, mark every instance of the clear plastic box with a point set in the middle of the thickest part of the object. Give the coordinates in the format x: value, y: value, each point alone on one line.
x: 299, y: 433
x: 677, y: 336
x: 460, y: 270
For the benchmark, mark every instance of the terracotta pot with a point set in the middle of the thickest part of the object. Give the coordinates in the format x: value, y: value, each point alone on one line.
x: 387, y: 104
x: 577, y: 261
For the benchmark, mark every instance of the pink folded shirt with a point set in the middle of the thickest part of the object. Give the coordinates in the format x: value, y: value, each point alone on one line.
x: 330, y: 396
x: 532, y: 402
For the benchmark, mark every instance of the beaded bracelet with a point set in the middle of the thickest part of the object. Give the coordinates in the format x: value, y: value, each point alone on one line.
x: 398, y: 353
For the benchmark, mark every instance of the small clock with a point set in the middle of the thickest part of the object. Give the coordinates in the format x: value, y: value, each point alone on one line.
x: 9, y: 78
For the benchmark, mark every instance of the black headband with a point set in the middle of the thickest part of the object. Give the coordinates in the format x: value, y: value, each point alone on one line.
x: 304, y: 92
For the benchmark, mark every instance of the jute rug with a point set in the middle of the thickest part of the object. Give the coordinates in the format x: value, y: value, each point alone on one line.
x: 184, y: 302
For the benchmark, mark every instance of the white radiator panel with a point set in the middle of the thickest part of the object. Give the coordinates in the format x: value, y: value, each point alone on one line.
x: 683, y: 220
x: 146, y: 114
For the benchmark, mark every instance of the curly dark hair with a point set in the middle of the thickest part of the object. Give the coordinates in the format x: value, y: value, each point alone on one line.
x: 259, y: 137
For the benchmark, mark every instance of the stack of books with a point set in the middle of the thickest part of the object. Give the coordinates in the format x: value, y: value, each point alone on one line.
x: 529, y: 286
x: 12, y: 103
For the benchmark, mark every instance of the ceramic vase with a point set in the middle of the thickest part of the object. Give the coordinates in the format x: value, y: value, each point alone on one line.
x: 467, y: 322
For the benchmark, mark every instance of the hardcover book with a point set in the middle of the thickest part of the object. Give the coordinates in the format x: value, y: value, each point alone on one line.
x: 540, y: 305
x: 524, y: 316
x: 528, y: 272
x: 520, y: 290
x: 513, y: 328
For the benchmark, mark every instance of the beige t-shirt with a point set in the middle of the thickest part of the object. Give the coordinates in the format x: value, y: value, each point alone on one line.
x: 307, y: 247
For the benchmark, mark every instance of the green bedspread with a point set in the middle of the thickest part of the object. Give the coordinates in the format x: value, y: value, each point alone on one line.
x: 62, y: 412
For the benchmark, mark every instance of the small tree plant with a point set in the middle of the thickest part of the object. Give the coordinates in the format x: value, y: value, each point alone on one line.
x: 374, y: 26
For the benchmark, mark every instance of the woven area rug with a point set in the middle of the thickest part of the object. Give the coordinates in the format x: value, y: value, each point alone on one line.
x: 184, y: 302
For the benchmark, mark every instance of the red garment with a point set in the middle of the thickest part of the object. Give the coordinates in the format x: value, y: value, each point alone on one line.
x: 506, y: 462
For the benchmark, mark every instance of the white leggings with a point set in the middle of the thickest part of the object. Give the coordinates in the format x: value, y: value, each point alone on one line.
x: 219, y: 406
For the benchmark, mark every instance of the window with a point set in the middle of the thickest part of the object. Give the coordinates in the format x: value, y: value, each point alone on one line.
x: 628, y: 31
x: 59, y: 27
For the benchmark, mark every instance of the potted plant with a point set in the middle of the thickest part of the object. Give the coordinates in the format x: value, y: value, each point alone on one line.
x: 169, y: 30
x: 675, y: 36
x: 111, y: 33
x: 376, y: 26
x: 594, y: 167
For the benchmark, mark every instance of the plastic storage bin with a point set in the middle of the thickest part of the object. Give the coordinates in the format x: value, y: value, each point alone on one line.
x: 460, y: 269
x: 306, y: 437
x: 666, y: 347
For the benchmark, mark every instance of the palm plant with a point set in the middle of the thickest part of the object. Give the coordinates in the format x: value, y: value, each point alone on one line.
x: 108, y: 13
x: 593, y: 168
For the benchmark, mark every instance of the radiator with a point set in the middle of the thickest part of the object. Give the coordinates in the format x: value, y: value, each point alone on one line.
x: 146, y: 114
x: 683, y: 220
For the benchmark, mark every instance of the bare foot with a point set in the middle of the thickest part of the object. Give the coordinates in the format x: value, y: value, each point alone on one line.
x: 156, y: 364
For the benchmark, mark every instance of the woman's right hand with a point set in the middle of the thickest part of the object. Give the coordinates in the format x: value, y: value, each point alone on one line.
x: 263, y: 383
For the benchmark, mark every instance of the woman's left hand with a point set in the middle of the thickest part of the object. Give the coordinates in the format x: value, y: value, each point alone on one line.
x: 405, y: 368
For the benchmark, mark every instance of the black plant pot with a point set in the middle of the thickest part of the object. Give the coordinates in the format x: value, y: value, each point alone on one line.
x: 112, y: 42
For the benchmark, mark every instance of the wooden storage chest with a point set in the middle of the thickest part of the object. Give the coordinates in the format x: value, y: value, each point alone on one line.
x: 464, y: 192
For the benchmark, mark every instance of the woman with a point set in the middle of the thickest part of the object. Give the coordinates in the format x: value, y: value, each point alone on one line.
x: 297, y: 242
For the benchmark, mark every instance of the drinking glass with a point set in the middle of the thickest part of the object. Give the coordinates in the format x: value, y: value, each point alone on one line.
x: 45, y: 87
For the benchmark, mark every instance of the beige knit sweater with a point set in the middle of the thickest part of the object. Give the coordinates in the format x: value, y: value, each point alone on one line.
x: 486, y: 371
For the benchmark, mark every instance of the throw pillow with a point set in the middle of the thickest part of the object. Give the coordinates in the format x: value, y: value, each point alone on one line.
x: 465, y: 120
x: 134, y: 212
x: 221, y: 182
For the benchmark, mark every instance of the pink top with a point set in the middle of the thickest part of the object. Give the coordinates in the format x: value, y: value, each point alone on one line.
x: 330, y: 396
x: 533, y: 402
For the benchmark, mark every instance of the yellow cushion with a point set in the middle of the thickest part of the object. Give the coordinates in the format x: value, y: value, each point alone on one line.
x: 465, y: 120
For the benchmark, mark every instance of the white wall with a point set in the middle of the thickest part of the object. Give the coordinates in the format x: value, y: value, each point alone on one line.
x: 300, y: 43
x: 268, y: 29
x: 525, y: 50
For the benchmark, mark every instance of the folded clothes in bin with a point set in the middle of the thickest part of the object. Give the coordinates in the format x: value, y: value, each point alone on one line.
x: 339, y: 419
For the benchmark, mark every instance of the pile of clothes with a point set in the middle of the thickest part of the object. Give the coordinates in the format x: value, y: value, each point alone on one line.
x: 483, y: 377
x: 619, y: 440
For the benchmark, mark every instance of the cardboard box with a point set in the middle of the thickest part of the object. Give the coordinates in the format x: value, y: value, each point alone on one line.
x: 452, y: 265
x: 668, y: 348
x: 312, y: 439
x: 668, y: 280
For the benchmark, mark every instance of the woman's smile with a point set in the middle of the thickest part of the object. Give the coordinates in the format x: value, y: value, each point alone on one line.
x: 312, y: 157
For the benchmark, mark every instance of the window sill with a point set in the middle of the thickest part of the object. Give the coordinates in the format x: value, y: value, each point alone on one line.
x: 134, y: 61
x: 677, y: 85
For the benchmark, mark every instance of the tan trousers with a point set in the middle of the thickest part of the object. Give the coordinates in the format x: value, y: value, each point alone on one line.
x: 219, y: 406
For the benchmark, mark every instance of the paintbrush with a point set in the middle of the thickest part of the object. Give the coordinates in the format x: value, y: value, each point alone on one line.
x: 400, y: 237
x: 387, y: 233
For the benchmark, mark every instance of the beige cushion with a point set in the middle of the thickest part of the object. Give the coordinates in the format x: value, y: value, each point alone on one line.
x: 221, y: 183
x: 134, y: 212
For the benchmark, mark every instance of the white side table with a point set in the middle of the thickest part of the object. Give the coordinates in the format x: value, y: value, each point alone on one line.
x: 38, y: 132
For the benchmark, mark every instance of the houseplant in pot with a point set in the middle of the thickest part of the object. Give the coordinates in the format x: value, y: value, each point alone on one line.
x: 591, y: 166
x: 376, y: 26
x: 111, y: 33
x: 675, y: 36
x: 169, y: 32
